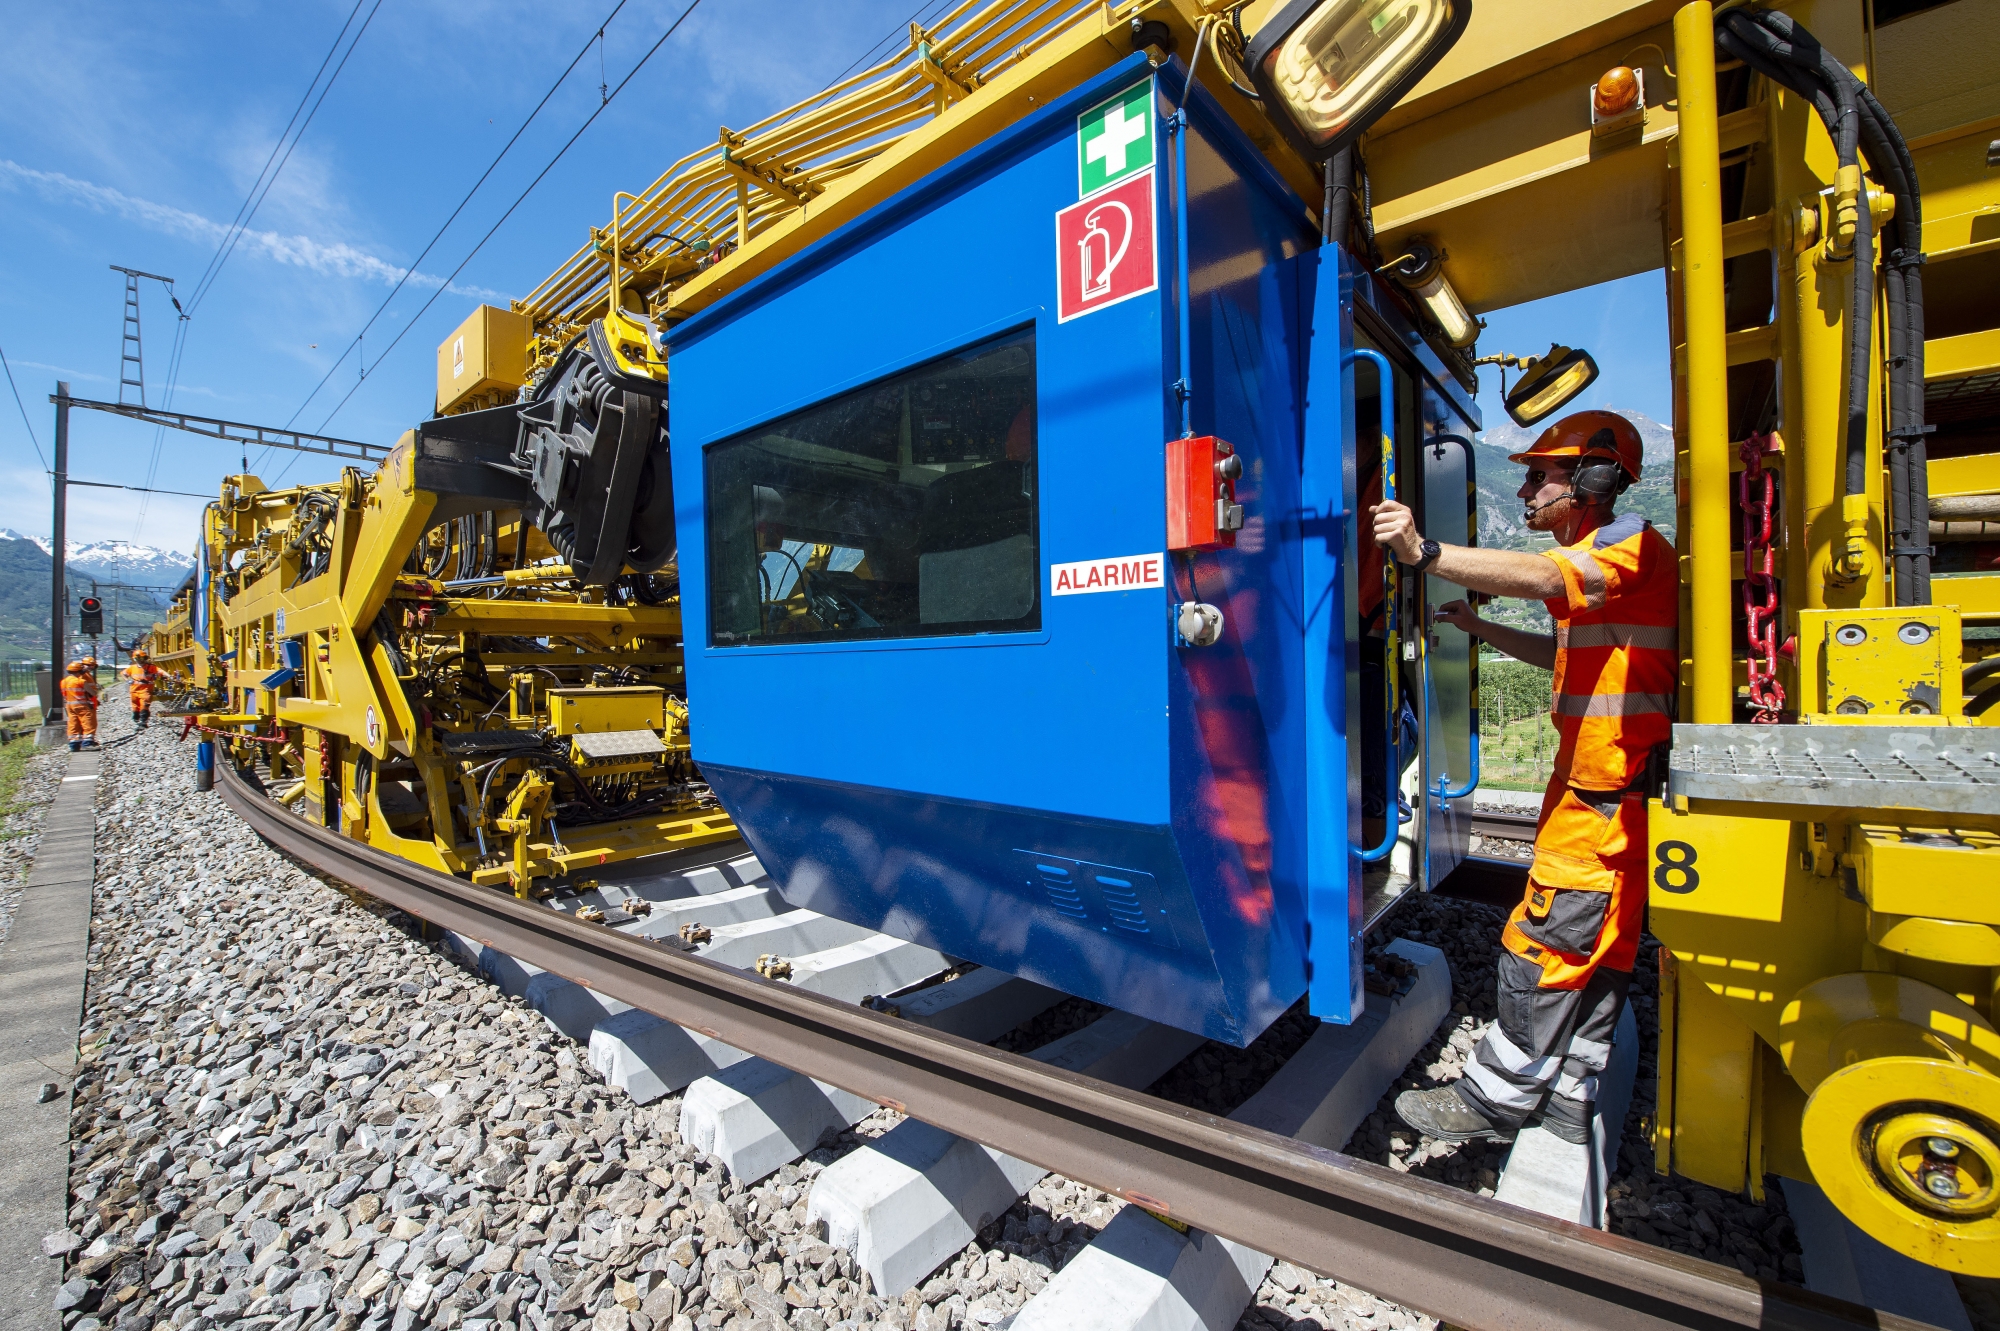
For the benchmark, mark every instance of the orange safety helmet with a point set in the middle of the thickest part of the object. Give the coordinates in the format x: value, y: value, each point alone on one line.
x: 140, y: 654
x: 1582, y: 434
x: 76, y: 667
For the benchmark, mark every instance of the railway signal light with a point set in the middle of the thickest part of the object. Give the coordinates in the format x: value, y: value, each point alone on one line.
x: 90, y: 617
x: 1327, y: 69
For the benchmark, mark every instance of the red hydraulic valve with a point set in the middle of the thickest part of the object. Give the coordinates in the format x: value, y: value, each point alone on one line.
x: 1202, y: 512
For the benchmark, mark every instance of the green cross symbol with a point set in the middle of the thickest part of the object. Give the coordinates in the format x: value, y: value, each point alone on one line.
x: 1114, y: 139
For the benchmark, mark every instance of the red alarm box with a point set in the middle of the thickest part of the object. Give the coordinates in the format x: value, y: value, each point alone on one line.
x: 1202, y: 512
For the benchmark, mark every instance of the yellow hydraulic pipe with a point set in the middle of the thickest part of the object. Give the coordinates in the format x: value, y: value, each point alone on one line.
x: 1713, y: 687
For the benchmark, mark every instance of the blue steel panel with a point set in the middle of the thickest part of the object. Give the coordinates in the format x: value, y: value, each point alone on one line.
x: 1066, y: 721
x: 951, y: 874
x: 1237, y: 709
x: 1331, y: 652
x: 938, y: 788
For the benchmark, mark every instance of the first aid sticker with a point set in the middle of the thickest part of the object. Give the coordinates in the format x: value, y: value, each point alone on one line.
x: 1123, y: 573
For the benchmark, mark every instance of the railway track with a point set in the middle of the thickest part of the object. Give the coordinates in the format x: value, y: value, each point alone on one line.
x: 1503, y: 826
x: 1466, y: 1260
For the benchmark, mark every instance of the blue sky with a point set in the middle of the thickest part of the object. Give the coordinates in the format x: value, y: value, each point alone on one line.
x: 1623, y: 324
x: 131, y: 134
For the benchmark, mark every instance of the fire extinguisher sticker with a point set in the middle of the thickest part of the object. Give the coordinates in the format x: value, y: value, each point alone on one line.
x: 1106, y: 249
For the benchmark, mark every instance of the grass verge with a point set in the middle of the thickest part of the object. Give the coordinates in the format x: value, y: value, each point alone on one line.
x: 14, y: 757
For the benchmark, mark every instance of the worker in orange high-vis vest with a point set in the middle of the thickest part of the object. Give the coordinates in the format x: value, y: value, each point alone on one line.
x: 79, y: 695
x: 143, y: 674
x: 1612, y: 586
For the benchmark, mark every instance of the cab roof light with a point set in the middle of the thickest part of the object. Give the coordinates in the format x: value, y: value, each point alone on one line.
x: 1328, y: 69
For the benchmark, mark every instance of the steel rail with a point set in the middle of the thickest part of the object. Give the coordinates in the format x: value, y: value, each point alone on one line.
x: 1503, y: 826
x: 1471, y: 1261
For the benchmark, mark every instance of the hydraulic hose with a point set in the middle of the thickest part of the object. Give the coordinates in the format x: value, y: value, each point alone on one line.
x: 1777, y: 47
x: 1337, y: 209
x: 1979, y: 672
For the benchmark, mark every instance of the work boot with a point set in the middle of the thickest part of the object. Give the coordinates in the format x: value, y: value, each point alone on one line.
x: 75, y: 745
x: 1568, y: 1119
x: 1446, y: 1115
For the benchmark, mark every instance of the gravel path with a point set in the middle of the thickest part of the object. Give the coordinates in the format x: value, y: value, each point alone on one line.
x: 293, y: 1114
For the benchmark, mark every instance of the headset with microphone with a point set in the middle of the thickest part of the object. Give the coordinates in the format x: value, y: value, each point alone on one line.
x: 1597, y: 479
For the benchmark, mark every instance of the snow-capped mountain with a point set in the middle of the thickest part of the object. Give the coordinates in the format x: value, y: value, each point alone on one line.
x: 1657, y: 438
x: 115, y: 561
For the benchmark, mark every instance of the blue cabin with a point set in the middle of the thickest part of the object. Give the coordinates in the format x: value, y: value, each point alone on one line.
x: 936, y: 659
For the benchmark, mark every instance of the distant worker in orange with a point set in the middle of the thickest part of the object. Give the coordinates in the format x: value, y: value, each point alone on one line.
x: 143, y: 674
x: 79, y: 694
x: 1611, y: 585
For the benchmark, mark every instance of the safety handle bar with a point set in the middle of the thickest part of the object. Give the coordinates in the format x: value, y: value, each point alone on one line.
x: 1444, y: 791
x: 1392, y: 811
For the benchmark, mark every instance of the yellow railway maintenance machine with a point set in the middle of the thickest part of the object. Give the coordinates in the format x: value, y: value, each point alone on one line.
x: 415, y: 663
x: 1819, y: 181
x: 1822, y: 180
x: 171, y: 645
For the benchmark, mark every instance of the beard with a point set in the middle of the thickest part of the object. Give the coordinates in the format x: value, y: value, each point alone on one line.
x: 1551, y: 516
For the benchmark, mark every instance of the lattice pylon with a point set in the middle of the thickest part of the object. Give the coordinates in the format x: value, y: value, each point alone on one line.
x: 131, y: 363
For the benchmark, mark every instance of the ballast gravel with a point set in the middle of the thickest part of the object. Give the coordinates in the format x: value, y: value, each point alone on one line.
x: 292, y: 1113
x: 295, y: 1115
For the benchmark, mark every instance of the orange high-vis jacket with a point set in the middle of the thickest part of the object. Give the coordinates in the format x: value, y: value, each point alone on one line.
x: 79, y: 691
x: 1617, y: 653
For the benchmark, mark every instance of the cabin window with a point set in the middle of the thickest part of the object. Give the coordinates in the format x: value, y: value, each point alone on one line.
x: 902, y: 509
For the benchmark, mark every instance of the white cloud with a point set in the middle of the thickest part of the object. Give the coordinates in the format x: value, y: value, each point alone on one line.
x: 63, y: 370
x: 95, y: 514
x: 337, y: 259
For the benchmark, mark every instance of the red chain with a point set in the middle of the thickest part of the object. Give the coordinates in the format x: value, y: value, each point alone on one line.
x: 1756, y: 490
x: 231, y: 734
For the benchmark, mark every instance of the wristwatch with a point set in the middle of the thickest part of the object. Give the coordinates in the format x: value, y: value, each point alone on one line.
x: 1431, y: 550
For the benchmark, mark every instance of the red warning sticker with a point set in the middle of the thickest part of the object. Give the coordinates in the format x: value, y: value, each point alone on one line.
x: 1105, y: 250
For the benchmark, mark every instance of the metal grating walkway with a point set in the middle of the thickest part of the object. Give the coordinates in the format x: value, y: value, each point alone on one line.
x: 1938, y: 769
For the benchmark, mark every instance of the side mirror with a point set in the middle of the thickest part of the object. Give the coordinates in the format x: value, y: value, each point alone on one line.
x: 1548, y: 383
x: 1328, y: 69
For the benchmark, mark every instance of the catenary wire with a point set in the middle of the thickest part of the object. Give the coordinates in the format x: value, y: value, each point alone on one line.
x: 260, y: 188
x: 429, y: 245
x: 868, y: 54
x: 229, y: 246
x: 235, y: 221
x: 518, y: 201
x: 24, y: 411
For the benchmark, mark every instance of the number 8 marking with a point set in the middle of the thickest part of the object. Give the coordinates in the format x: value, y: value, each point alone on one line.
x: 1676, y: 857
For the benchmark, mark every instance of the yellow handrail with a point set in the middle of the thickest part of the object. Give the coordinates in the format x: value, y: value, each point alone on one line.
x: 713, y: 202
x: 1712, y: 691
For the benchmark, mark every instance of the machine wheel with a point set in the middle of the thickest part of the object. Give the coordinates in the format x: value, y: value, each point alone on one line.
x: 1909, y: 1150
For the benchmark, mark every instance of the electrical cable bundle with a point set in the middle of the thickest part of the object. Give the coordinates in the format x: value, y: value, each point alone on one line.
x: 1778, y: 48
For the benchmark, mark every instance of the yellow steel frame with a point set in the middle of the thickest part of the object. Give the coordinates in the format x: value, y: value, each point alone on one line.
x: 1492, y: 157
x: 1788, y: 930
x: 349, y: 695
